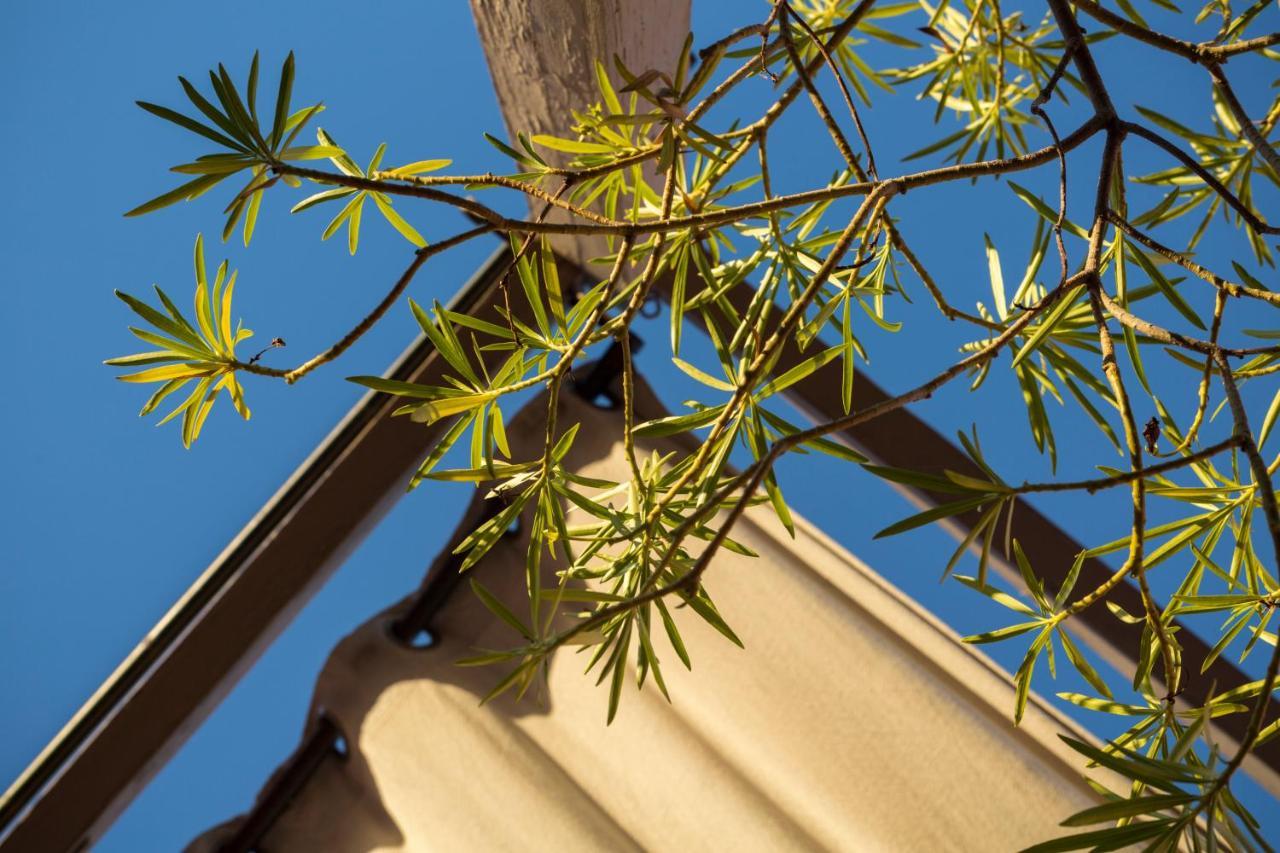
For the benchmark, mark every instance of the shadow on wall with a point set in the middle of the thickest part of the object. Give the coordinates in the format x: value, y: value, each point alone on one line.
x: 855, y: 713
x: 365, y: 666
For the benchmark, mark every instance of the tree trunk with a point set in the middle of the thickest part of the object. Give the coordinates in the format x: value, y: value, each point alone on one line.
x: 542, y: 56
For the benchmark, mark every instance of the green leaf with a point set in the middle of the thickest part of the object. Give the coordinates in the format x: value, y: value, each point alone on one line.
x: 1104, y: 839
x: 418, y: 167
x: 497, y: 608
x: 251, y: 88
x: 673, y: 634
x: 1048, y: 324
x: 485, y: 473
x: 311, y: 152
x: 509, y: 151
x: 353, y: 223
x: 675, y: 424
x: 434, y: 410
x: 701, y: 605
x: 1081, y: 664
x: 1211, y: 603
x: 169, y: 371
x: 181, y: 332
x: 1022, y: 678
x: 395, y: 386
x: 283, y: 97
x: 551, y: 282
x: 1003, y: 633
x: 188, y: 191
x: 1269, y: 420
x: 484, y: 537
x: 1157, y: 774
x: 926, y: 482
x: 996, y: 595
x: 973, y: 484
x: 931, y: 515
x: 619, y: 672
x: 190, y: 124
x: 1104, y: 705
x: 1029, y: 579
x: 348, y: 210
x: 997, y: 279
x: 822, y: 445
x: 1167, y: 288
x: 705, y: 378
x: 211, y: 112
x: 795, y: 374
x: 142, y: 358
x: 571, y: 146
x: 1123, y: 615
x: 397, y: 221
x: 320, y: 198
x: 251, y: 216
x: 1045, y: 211
x: 1135, y: 807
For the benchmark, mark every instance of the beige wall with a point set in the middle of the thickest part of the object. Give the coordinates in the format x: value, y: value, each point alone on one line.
x: 853, y: 720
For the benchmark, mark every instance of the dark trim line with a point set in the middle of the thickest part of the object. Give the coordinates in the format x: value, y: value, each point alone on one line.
x: 592, y: 381
x: 177, y: 674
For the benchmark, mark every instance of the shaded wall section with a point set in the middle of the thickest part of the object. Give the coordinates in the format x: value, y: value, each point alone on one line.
x: 853, y: 720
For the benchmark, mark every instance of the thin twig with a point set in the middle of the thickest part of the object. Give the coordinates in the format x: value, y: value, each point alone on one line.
x: 844, y: 88
x: 1099, y: 483
x: 420, y: 257
x: 1202, y: 393
x: 1247, y: 128
x: 1262, y: 481
x: 721, y: 216
x: 1255, y: 221
x: 1200, y: 53
x: 1177, y: 339
x: 1225, y: 285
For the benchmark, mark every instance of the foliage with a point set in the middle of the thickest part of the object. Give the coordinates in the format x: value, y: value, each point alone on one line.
x: 816, y: 270
x: 204, y: 353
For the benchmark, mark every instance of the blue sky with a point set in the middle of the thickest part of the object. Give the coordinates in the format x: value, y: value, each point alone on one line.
x: 107, y: 520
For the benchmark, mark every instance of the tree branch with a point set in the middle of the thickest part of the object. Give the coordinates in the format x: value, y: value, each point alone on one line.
x: 1225, y: 285
x: 420, y: 257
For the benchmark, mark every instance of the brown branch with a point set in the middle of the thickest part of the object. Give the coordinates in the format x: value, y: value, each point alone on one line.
x: 1111, y: 368
x: 480, y: 211
x: 1255, y: 222
x: 828, y: 120
x: 420, y: 257
x: 866, y: 212
x: 1226, y: 51
x: 1202, y: 392
x: 1225, y: 285
x: 1204, y: 54
x: 1177, y: 339
x: 1099, y: 483
x: 1247, y: 128
x: 1062, y: 190
x: 835, y: 72
x: 722, y: 216
x: 730, y: 40
x: 1083, y: 59
x: 1262, y: 481
x: 489, y: 179
x: 771, y: 115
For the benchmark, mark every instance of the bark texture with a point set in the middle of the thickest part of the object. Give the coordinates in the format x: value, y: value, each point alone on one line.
x: 542, y: 56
